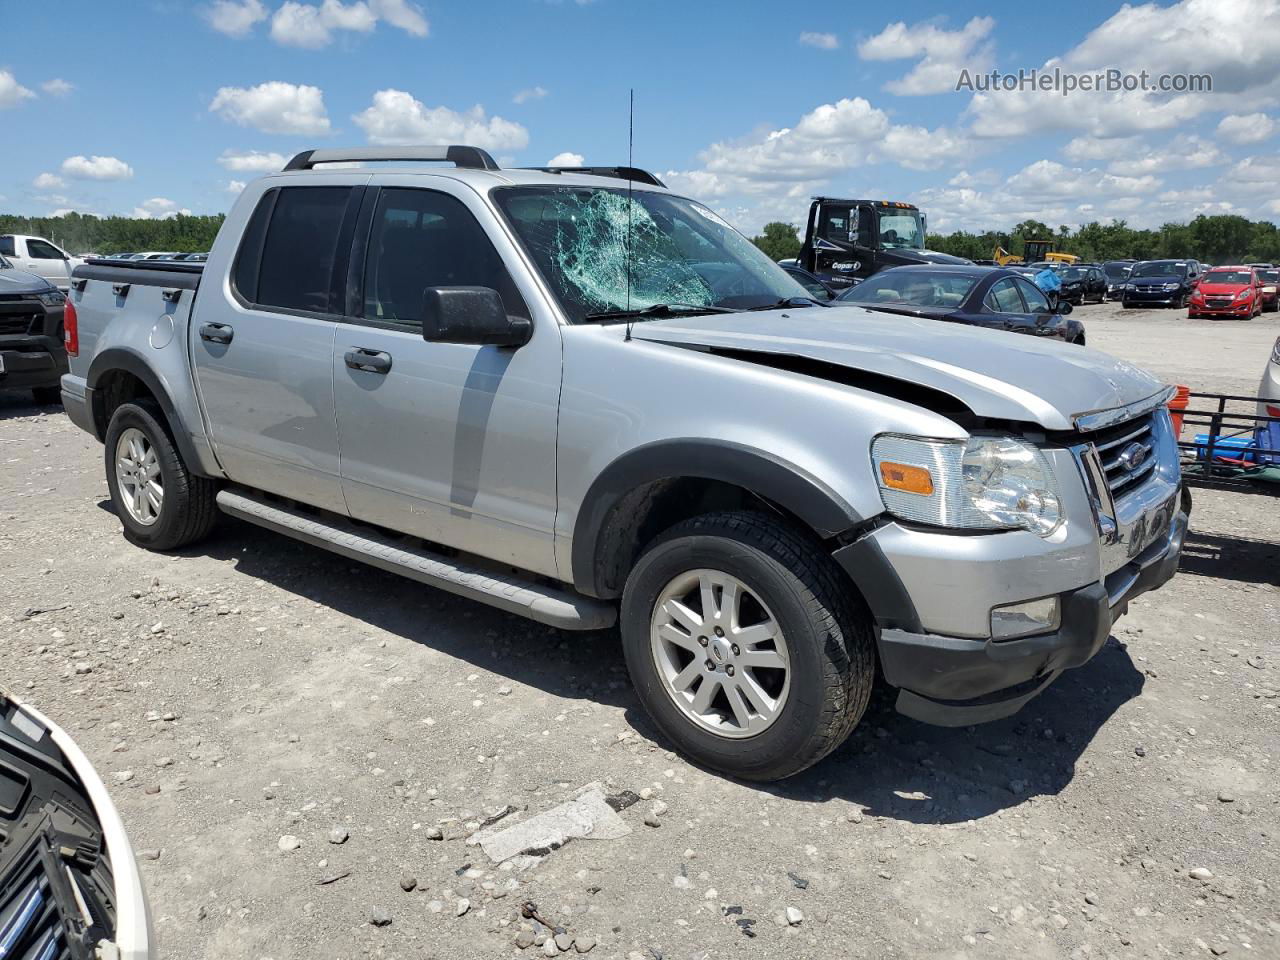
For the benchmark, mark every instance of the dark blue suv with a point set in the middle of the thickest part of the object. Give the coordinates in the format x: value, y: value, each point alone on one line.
x: 1161, y: 283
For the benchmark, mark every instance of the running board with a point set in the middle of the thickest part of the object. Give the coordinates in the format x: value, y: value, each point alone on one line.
x: 510, y: 592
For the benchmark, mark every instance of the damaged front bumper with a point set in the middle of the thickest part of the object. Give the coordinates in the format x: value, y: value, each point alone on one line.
x: 933, y: 593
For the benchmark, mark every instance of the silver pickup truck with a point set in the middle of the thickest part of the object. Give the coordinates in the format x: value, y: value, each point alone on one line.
x: 587, y: 400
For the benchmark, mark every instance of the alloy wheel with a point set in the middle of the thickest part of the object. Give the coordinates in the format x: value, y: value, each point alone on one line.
x: 138, y: 477
x: 720, y: 653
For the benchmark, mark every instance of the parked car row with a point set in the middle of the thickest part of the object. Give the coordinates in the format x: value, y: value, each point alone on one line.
x: 153, y: 255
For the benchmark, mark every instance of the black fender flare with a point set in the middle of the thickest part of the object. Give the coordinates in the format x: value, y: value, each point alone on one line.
x: 781, y: 483
x: 121, y: 358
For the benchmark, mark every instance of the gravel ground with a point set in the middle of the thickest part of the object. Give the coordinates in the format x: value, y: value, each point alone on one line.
x: 252, y: 701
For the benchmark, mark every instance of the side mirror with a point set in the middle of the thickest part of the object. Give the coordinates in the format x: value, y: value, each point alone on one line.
x: 853, y: 225
x: 1063, y: 307
x: 471, y: 315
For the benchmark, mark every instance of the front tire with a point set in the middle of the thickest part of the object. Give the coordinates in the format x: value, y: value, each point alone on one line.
x: 160, y: 503
x: 745, y: 646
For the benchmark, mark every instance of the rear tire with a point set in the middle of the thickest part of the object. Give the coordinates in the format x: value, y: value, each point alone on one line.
x: 160, y: 503
x: 47, y: 396
x: 790, y: 595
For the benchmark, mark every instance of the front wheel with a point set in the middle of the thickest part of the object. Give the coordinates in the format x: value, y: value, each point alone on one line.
x: 744, y: 645
x: 160, y: 503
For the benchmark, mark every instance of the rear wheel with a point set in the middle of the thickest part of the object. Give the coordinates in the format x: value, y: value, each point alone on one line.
x: 744, y: 645
x: 160, y: 503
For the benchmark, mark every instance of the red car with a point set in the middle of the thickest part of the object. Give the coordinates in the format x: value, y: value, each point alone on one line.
x: 1227, y: 292
x: 1270, y: 277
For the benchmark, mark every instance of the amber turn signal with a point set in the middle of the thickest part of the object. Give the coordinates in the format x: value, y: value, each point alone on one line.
x: 901, y: 476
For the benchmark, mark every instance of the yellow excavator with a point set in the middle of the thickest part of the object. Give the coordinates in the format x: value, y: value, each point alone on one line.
x: 1033, y: 251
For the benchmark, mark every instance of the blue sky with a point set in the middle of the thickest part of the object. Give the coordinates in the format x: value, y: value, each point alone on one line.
x: 154, y: 107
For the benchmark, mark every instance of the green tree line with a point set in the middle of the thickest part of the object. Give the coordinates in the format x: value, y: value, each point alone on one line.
x: 79, y: 233
x: 1218, y: 239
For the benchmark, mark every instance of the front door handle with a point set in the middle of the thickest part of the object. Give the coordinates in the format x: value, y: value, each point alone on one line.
x: 370, y: 361
x: 216, y: 333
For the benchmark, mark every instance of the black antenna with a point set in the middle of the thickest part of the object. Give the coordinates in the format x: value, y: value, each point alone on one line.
x: 631, y: 142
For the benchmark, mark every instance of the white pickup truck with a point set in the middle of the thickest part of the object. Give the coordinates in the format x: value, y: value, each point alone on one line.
x: 586, y: 399
x: 41, y: 257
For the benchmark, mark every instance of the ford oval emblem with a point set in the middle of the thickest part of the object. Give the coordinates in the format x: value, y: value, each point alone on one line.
x: 1132, y: 457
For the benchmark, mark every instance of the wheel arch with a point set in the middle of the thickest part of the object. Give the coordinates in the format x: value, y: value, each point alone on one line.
x: 119, y: 375
x: 654, y: 486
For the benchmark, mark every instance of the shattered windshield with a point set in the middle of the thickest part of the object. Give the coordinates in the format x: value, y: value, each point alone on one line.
x: 901, y: 231
x: 680, y: 253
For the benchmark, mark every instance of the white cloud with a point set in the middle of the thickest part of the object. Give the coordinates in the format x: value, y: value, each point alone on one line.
x: 255, y: 161
x: 1230, y: 40
x: 403, y: 15
x: 1257, y: 170
x: 529, y: 93
x: 566, y: 159
x: 158, y: 207
x: 395, y: 117
x: 57, y: 87
x: 235, y: 18
x: 96, y: 168
x: 942, y: 53
x: 48, y: 181
x: 312, y: 27
x: 274, y: 107
x: 1183, y: 153
x: 1246, y: 128
x: 823, y: 41
x: 12, y: 92
x: 235, y: 186
x: 1094, y: 149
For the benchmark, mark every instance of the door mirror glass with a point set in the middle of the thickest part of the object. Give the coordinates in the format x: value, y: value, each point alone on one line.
x: 854, y: 220
x: 473, y: 315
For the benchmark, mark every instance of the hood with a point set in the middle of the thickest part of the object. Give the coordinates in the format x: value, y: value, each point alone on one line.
x: 1221, y: 289
x: 924, y: 256
x: 16, y: 281
x: 997, y: 376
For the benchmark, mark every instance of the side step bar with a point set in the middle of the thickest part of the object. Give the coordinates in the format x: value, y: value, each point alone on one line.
x: 511, y: 592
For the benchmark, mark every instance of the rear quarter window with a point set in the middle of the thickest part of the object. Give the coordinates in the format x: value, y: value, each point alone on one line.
x: 290, y: 247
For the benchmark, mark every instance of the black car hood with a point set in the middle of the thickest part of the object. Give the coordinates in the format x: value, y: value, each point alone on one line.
x: 923, y: 256
x: 14, y: 281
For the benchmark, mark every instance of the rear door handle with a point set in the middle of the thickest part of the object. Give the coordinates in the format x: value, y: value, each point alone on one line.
x: 216, y: 333
x: 370, y: 361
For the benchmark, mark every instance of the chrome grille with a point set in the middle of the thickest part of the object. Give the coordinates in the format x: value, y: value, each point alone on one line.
x: 30, y: 922
x: 1127, y: 453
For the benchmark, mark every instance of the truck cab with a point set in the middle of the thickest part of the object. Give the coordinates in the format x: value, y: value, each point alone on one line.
x: 846, y: 241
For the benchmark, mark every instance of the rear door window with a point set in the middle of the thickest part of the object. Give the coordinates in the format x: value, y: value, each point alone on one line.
x: 6, y: 247
x: 290, y: 266
x: 1003, y: 297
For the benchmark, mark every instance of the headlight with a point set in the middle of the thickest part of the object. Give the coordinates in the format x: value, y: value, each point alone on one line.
x: 1244, y: 294
x: 54, y: 298
x: 984, y: 483
x: 1275, y: 352
x: 1170, y: 287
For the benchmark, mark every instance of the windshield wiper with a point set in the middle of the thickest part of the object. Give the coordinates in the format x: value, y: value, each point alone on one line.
x: 655, y: 310
x: 788, y: 302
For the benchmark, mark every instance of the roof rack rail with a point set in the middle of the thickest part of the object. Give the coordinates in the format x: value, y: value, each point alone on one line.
x: 635, y: 174
x: 472, y: 158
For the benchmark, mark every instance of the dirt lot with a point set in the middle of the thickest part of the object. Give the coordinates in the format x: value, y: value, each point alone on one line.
x: 255, y: 689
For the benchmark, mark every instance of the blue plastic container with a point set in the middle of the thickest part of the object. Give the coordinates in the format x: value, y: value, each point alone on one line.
x: 1229, y: 448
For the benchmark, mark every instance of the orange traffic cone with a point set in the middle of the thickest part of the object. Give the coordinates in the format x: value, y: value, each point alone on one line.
x: 1176, y: 405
